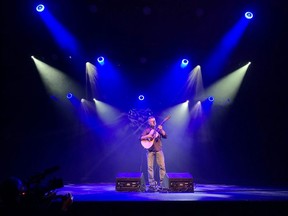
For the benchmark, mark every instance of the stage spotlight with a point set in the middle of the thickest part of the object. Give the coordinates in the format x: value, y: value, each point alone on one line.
x: 40, y: 8
x: 141, y: 97
x: 69, y: 95
x: 211, y: 98
x: 100, y: 60
x: 248, y: 15
x: 184, y: 63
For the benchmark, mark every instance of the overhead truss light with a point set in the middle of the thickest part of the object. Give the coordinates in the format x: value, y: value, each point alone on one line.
x: 40, y: 8
x: 69, y: 95
x: 141, y: 97
x: 211, y: 98
x: 100, y: 60
x: 249, y: 15
x: 184, y: 63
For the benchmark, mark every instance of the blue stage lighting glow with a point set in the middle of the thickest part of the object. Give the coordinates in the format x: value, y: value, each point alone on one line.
x: 184, y: 63
x: 211, y: 98
x: 248, y: 15
x: 69, y: 95
x: 141, y: 97
x: 40, y: 8
x: 100, y: 60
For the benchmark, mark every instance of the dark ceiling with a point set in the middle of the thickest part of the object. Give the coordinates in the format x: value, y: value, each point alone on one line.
x: 141, y: 38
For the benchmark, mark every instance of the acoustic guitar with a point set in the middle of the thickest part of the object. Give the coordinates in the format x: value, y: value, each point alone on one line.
x: 147, y: 143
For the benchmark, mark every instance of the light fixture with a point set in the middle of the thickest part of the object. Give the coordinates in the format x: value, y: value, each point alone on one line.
x: 211, y: 98
x: 249, y: 15
x: 184, y: 63
x: 40, y: 8
x: 100, y: 60
x: 141, y: 97
x: 69, y: 95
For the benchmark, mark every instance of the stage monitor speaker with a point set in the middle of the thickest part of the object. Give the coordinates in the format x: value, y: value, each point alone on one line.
x: 133, y: 182
x: 179, y: 182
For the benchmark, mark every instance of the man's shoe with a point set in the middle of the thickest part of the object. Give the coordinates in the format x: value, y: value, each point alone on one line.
x: 152, y: 189
x: 163, y: 190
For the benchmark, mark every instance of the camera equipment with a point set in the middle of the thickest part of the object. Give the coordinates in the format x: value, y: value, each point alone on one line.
x: 38, y: 192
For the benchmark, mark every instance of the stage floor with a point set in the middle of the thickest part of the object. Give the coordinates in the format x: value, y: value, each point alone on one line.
x: 202, y: 192
x: 207, y: 199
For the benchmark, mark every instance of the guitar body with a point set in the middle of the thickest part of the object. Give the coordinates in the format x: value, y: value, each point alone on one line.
x: 147, y: 143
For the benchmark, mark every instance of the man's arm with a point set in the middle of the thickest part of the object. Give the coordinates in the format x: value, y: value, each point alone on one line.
x: 161, y: 131
x: 146, y: 135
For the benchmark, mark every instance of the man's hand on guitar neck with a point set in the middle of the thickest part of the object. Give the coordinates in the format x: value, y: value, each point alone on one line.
x: 160, y: 129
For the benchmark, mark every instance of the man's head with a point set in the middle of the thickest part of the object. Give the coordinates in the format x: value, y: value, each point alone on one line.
x: 152, y: 121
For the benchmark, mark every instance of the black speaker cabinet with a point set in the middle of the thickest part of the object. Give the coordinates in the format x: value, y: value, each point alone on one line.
x: 179, y: 182
x: 130, y: 182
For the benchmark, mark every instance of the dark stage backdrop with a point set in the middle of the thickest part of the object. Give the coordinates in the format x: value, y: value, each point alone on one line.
x: 243, y: 143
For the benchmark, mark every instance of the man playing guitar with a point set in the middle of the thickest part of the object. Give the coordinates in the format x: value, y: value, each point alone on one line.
x: 151, y: 139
